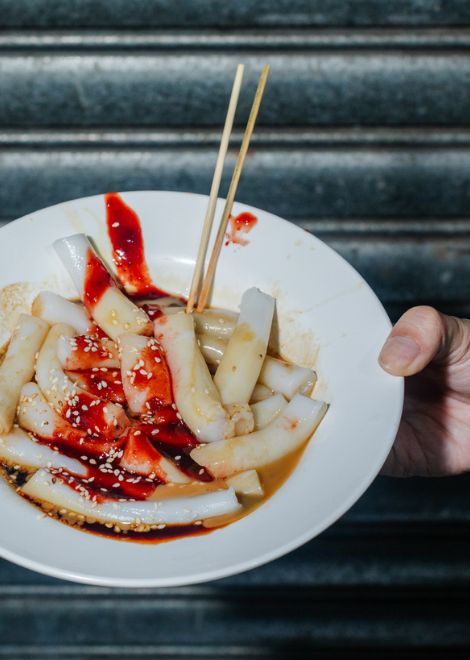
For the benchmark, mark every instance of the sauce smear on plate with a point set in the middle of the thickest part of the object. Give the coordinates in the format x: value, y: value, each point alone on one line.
x: 242, y: 223
x: 127, y: 242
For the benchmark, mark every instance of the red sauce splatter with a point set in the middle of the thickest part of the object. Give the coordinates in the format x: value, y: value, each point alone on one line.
x: 240, y: 224
x: 171, y: 429
x: 97, y: 281
x: 170, y: 435
x: 181, y: 456
x: 96, y: 330
x: 103, y: 382
x: 141, y: 457
x: 125, y: 234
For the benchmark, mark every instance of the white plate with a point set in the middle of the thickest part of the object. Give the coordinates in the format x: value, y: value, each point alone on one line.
x: 328, y: 316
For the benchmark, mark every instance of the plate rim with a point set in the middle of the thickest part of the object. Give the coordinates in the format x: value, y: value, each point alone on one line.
x: 248, y: 564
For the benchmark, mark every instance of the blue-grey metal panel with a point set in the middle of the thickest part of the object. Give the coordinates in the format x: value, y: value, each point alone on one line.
x: 245, y: 13
x: 141, y: 88
x: 363, y: 139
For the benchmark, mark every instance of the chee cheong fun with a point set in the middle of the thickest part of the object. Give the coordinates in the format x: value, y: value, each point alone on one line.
x: 124, y: 414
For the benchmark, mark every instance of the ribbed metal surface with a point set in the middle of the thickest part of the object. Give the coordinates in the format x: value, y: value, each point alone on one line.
x: 363, y: 139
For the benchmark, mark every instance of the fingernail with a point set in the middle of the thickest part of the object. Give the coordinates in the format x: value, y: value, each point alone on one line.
x: 398, y: 353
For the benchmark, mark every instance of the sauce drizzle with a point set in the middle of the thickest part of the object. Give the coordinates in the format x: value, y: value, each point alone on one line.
x: 97, y: 281
x: 125, y: 234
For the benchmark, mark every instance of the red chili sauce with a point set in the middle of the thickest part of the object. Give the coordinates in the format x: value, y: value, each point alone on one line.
x: 97, y: 281
x: 103, y: 382
x: 240, y: 224
x: 125, y: 233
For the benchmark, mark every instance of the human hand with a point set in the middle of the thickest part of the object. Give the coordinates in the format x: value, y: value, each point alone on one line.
x: 433, y: 351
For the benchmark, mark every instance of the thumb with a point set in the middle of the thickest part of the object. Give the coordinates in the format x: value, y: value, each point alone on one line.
x: 423, y: 335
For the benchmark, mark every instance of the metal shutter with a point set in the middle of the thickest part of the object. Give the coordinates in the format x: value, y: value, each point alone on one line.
x: 363, y: 139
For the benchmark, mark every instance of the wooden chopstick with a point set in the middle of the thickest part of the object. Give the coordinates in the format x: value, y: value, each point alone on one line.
x: 219, y: 240
x: 214, y: 192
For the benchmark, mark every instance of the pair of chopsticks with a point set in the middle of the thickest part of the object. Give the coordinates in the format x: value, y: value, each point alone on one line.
x: 199, y: 293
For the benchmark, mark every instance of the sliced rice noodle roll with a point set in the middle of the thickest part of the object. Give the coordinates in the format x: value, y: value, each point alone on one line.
x: 287, y: 379
x: 53, y: 309
x: 212, y: 349
x: 144, y: 373
x: 87, y: 352
x: 218, y: 323
x: 242, y: 417
x: 277, y: 375
x: 196, y: 396
x: 243, y: 358
x: 36, y: 416
x: 17, y: 448
x: 265, y: 411
x: 110, y: 308
x: 246, y: 483
x: 66, y: 397
x: 286, y: 433
x: 45, y: 487
x: 260, y: 393
x: 141, y: 457
x: 17, y: 367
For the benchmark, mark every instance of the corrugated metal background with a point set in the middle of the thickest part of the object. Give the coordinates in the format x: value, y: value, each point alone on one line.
x: 364, y: 139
